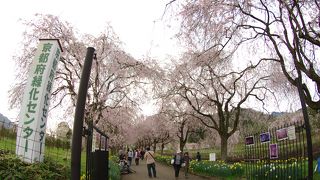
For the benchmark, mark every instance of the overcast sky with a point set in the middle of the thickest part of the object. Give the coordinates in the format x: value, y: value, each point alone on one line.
x: 136, y: 22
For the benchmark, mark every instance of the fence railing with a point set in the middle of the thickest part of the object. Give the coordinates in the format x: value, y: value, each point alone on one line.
x: 57, y: 148
x: 277, y: 153
x: 97, y: 160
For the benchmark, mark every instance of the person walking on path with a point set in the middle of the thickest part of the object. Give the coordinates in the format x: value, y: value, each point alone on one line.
x: 142, y: 154
x: 177, y: 162
x: 186, y: 159
x: 137, y: 157
x: 130, y: 157
x: 151, y: 166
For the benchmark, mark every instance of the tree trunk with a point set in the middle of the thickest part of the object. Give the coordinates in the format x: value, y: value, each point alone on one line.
x: 154, y: 147
x: 162, y: 147
x: 224, y: 147
x: 182, y: 144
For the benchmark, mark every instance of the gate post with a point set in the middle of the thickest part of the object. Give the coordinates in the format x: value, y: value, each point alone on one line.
x: 79, y: 114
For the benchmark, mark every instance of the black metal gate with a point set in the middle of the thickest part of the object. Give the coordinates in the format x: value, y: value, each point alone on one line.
x: 279, y: 153
x: 97, y: 154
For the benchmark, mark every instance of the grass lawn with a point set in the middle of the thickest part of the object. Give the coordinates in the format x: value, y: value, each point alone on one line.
x: 7, y: 144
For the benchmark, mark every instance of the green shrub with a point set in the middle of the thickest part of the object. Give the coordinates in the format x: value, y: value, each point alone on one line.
x: 114, y: 168
x: 11, y: 167
x: 217, y: 169
x: 210, y: 168
x: 114, y: 158
x: 163, y: 159
x: 282, y: 169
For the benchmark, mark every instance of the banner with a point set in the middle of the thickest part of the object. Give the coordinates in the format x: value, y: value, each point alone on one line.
x: 35, y: 105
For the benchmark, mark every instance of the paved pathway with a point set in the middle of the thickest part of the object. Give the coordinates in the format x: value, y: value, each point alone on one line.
x: 163, y: 173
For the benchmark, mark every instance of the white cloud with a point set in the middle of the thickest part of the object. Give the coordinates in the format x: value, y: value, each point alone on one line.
x: 133, y: 21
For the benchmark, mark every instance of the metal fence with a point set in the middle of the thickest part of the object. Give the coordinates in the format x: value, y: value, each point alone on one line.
x: 57, y: 148
x: 94, y: 161
x: 277, y: 153
x: 97, y: 160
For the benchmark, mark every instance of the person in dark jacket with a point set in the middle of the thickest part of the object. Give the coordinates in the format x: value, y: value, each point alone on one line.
x: 177, y: 162
x: 198, y: 156
x: 187, y: 160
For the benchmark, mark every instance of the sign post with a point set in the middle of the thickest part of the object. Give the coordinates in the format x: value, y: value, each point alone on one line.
x: 34, y: 109
x: 212, y: 157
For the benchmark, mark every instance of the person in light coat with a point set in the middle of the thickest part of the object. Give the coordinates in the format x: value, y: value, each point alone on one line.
x: 151, y: 166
